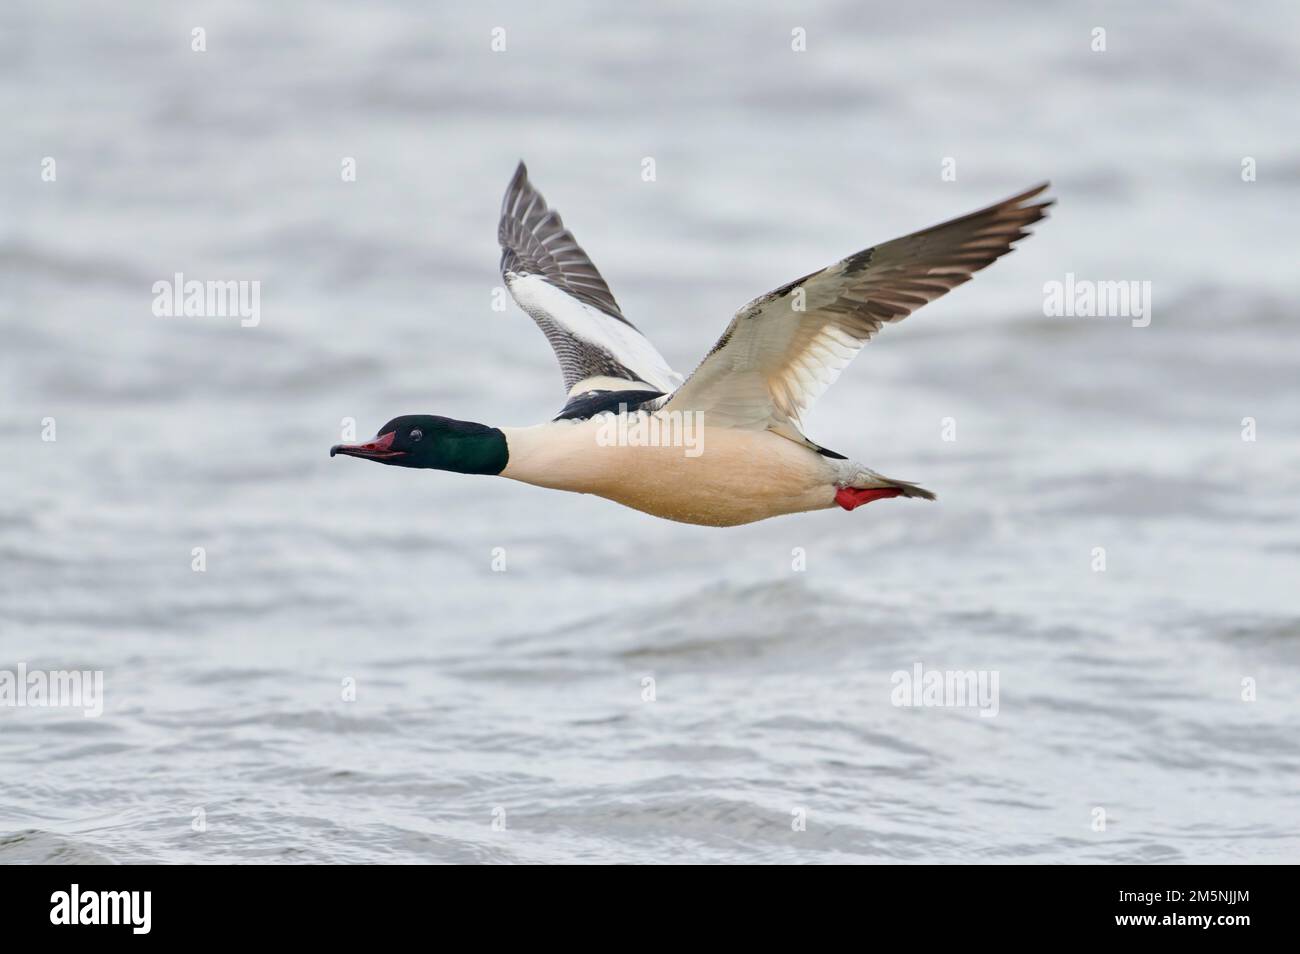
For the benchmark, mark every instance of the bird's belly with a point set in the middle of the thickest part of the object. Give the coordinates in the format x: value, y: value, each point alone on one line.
x: 723, y: 477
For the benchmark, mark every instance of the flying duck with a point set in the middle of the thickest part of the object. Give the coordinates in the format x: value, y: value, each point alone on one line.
x: 724, y: 446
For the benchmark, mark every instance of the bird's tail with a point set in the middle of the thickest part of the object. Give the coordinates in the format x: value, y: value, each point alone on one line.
x: 869, y: 485
x: 910, y: 489
x: 870, y: 480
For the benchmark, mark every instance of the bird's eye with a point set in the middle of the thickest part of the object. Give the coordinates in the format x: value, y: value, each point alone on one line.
x: 416, y: 434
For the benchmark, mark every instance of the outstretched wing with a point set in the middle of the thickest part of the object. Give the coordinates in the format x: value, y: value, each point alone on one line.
x: 552, y: 279
x: 783, y: 350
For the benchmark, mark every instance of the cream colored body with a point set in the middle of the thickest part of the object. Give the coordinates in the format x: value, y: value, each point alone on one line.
x: 740, y: 475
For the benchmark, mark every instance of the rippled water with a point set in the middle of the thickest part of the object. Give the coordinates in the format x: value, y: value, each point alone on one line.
x: 518, y: 696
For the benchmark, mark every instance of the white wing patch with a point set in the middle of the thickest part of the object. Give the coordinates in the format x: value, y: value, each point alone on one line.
x: 544, y: 302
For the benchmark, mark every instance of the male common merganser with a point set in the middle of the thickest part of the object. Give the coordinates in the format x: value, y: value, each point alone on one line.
x: 724, y: 447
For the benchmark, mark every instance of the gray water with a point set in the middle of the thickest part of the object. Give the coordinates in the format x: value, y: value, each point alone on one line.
x: 501, y: 715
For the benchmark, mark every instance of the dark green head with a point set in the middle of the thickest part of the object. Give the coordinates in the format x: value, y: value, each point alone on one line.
x: 423, y: 440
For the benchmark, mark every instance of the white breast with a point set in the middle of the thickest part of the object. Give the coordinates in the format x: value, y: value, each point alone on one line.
x: 734, y: 477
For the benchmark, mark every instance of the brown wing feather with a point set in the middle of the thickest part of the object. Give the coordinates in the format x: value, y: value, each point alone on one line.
x: 534, y: 241
x: 774, y: 360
